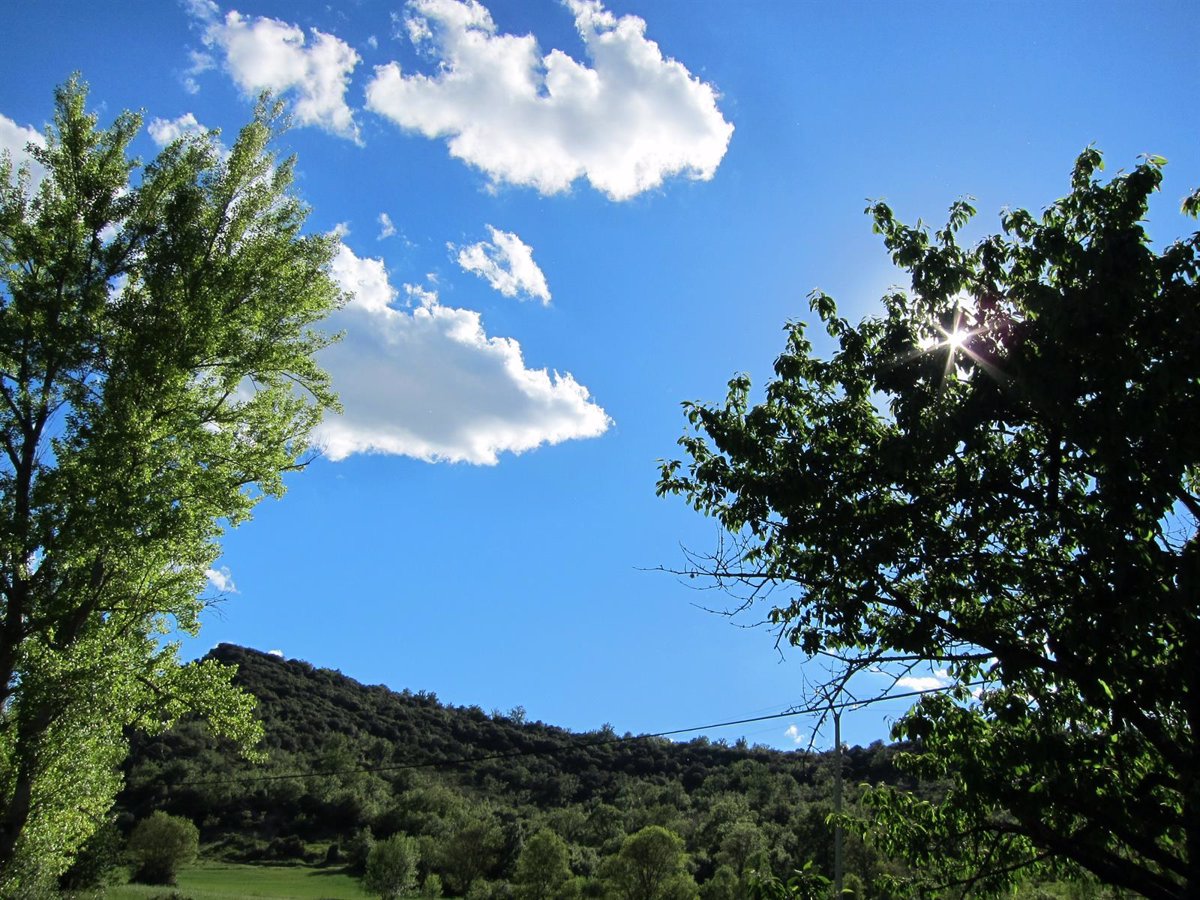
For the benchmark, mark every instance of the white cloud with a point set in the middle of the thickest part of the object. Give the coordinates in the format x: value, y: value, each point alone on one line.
x: 426, y: 381
x: 201, y: 62
x: 165, y: 131
x: 507, y: 264
x: 793, y: 734
x: 205, y: 10
x: 938, y: 679
x: 267, y: 54
x: 386, y: 227
x: 222, y: 580
x: 340, y: 230
x: 278, y: 653
x: 626, y: 123
x: 14, y: 138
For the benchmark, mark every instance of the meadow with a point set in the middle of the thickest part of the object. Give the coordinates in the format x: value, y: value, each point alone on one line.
x: 230, y: 881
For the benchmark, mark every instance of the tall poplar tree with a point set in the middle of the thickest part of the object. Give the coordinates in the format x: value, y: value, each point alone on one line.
x: 156, y: 380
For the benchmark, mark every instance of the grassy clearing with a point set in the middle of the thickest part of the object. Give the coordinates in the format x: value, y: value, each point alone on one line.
x: 229, y: 881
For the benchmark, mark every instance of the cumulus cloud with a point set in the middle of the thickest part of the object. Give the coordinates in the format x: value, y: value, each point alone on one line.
x: 14, y: 138
x: 938, y: 679
x: 794, y: 735
x: 222, y: 580
x: 165, y: 131
x: 267, y: 54
x: 507, y: 264
x: 425, y: 380
x: 386, y: 227
x: 625, y: 123
x: 278, y: 653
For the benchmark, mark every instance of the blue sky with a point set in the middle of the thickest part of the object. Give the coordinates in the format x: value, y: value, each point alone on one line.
x: 561, y: 220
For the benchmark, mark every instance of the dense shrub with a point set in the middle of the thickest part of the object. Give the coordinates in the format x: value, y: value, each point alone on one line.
x: 159, y: 845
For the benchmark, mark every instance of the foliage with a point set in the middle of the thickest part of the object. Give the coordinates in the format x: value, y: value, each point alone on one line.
x: 156, y: 380
x: 742, y: 846
x: 724, y: 885
x: 358, y: 850
x: 995, y: 477
x: 483, y: 889
x: 543, y: 867
x: 806, y: 883
x: 392, y: 867
x: 159, y: 845
x: 468, y: 849
x: 394, y: 763
x: 96, y: 862
x: 652, y: 865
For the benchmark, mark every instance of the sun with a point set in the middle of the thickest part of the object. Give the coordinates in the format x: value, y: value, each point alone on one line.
x: 956, y: 341
x: 957, y: 338
x: 965, y: 343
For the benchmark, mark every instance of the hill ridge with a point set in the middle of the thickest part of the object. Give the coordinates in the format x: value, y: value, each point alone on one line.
x: 344, y: 757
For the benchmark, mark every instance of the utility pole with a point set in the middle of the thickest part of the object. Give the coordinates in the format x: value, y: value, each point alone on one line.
x: 837, y: 805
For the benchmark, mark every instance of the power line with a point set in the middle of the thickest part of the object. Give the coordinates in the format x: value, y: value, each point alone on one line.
x: 824, y: 706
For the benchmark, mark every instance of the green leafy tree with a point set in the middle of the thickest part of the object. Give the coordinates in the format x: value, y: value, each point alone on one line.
x: 468, y: 849
x: 652, y: 865
x: 543, y: 867
x: 358, y: 849
x: 724, y: 885
x: 159, y: 845
x: 742, y: 845
x: 392, y: 867
x: 156, y: 380
x: 999, y: 476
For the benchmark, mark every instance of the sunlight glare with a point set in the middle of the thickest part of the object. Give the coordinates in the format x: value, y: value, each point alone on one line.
x: 956, y: 338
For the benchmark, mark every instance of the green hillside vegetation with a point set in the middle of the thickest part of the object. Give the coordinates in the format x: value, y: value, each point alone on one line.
x: 474, y: 787
x: 490, y: 806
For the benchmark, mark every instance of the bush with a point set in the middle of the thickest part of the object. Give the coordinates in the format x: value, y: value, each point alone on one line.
x: 285, y: 848
x: 356, y: 850
x: 483, y: 889
x: 237, y: 847
x: 159, y: 845
x: 392, y: 867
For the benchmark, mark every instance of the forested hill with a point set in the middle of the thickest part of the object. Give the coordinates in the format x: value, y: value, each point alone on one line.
x: 406, y: 762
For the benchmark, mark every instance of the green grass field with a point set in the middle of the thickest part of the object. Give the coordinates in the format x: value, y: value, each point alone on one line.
x: 227, y: 881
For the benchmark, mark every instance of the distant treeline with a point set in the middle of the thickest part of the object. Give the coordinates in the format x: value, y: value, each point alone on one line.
x: 393, y: 763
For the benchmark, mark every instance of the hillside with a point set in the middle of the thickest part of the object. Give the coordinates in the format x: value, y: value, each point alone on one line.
x: 343, y: 757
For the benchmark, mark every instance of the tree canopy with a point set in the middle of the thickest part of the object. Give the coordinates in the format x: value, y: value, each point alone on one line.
x: 543, y: 866
x: 391, y: 870
x: 156, y: 380
x: 652, y: 865
x: 999, y: 477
